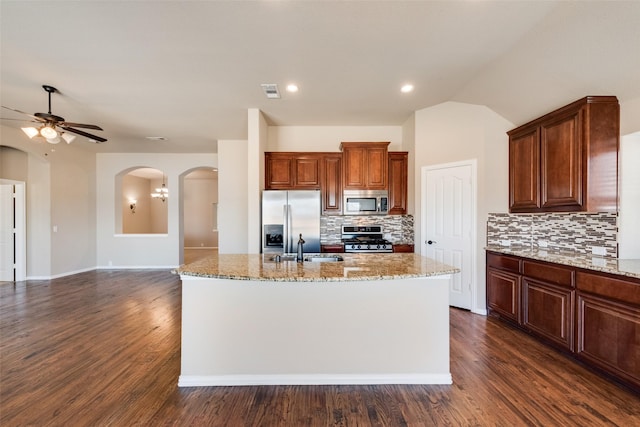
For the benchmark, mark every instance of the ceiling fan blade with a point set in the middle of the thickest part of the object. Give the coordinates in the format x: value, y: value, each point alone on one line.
x: 80, y: 125
x: 26, y: 114
x: 79, y: 132
x: 19, y: 120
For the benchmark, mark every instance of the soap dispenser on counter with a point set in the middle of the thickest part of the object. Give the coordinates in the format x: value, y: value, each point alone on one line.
x: 300, y: 255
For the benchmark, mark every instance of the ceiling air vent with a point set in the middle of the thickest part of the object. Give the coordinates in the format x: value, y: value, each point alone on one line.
x: 271, y: 90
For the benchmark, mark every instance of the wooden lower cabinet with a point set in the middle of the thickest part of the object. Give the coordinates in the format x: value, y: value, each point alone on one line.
x: 592, y: 316
x: 608, y: 333
x: 547, y: 311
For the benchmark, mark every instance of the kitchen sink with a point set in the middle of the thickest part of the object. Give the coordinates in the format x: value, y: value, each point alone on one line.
x: 320, y: 258
x: 307, y: 258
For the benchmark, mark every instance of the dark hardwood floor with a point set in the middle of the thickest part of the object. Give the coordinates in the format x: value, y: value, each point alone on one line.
x: 103, y: 349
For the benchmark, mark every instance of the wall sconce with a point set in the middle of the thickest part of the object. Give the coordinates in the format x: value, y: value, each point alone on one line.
x: 132, y: 206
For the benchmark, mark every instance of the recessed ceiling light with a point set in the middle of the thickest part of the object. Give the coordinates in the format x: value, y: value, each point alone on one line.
x: 406, y: 88
x: 156, y: 138
x: 292, y: 88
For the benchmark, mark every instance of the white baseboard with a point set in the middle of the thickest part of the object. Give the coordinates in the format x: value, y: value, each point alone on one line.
x: 481, y: 311
x: 311, y: 379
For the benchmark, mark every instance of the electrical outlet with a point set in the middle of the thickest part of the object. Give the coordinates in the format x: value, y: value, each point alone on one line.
x: 542, y: 244
x: 598, y: 250
x: 505, y: 242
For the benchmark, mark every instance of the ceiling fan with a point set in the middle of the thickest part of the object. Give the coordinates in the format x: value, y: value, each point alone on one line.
x: 53, y: 127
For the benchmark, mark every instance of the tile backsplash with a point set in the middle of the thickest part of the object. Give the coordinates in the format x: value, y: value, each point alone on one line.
x: 577, y: 232
x: 397, y: 228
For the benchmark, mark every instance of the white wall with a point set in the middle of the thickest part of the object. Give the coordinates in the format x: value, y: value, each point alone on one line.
x: 628, y: 220
x: 328, y: 138
x: 452, y: 132
x: 147, y: 250
x: 257, y: 131
x: 60, y: 192
x: 630, y: 116
x: 232, y: 197
x: 409, y: 144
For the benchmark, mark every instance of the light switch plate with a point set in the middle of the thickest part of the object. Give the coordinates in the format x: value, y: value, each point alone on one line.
x: 598, y: 250
x: 505, y: 242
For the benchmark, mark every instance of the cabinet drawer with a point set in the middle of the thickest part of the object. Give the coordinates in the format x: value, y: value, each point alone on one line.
x: 627, y: 291
x: 503, y: 262
x: 548, y: 273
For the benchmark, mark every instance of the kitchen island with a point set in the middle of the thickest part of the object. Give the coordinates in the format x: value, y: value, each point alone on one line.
x: 369, y: 319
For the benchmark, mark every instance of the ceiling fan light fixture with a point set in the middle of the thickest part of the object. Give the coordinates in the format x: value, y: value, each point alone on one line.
x: 68, y: 138
x: 48, y: 132
x: 53, y: 140
x: 30, y: 132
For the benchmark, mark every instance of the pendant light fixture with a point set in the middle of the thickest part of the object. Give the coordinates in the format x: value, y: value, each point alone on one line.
x: 161, y: 193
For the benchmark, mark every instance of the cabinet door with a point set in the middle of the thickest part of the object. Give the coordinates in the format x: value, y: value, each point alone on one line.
x: 609, y: 336
x: 524, y: 171
x: 306, y: 171
x: 331, y: 188
x: 547, y: 310
x: 278, y: 171
x: 355, y: 167
x: 503, y: 294
x: 398, y: 165
x: 561, y: 163
x: 377, y: 168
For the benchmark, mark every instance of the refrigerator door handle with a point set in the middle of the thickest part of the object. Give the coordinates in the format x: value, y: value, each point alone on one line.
x: 285, y: 229
x: 289, y: 220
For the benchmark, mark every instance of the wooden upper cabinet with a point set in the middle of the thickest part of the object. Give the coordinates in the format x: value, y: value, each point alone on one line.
x: 331, y: 184
x: 398, y: 180
x: 567, y: 160
x: 365, y: 165
x: 292, y: 171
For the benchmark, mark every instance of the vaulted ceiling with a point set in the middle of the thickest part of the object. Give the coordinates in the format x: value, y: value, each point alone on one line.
x: 189, y: 70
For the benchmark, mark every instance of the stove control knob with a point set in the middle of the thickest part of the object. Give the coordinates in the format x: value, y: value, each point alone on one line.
x: 378, y: 247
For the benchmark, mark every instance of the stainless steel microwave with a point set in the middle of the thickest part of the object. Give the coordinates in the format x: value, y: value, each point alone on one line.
x: 365, y: 202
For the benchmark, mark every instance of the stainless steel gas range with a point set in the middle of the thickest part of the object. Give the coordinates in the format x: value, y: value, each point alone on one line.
x: 365, y: 239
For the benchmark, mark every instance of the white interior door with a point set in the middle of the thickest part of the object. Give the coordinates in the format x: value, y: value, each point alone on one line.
x: 448, y: 224
x: 7, y: 248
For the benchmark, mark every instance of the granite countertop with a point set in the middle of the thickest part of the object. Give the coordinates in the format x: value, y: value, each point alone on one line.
x: 622, y: 267
x: 354, y: 267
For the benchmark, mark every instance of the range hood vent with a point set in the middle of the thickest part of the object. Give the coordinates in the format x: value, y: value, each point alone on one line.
x: 271, y: 90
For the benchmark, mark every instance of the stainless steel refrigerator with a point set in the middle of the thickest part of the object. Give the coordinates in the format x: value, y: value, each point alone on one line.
x: 286, y: 215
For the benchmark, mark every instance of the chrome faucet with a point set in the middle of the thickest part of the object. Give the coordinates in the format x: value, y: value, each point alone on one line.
x: 300, y: 256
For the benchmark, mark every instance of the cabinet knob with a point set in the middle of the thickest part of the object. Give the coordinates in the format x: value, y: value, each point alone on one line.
x: 430, y: 242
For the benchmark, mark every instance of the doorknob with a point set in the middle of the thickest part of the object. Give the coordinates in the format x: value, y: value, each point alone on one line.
x: 430, y: 242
